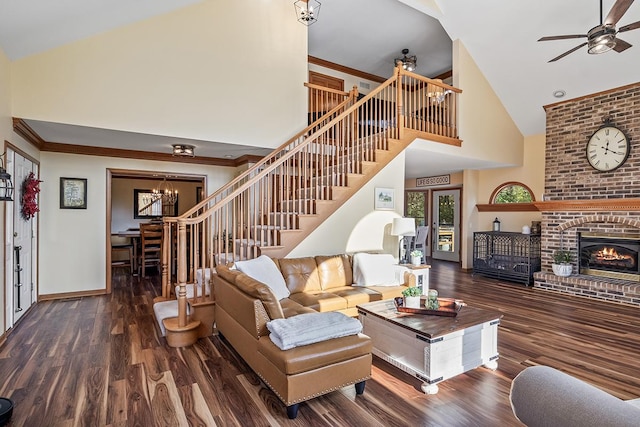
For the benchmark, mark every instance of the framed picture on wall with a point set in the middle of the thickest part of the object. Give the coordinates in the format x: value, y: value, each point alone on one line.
x: 384, y: 198
x: 73, y: 193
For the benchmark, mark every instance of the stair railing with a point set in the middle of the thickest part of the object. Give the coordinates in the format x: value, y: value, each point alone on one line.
x: 251, y: 213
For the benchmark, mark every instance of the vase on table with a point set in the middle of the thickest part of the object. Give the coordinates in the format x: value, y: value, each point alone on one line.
x: 412, y: 302
x: 416, y: 260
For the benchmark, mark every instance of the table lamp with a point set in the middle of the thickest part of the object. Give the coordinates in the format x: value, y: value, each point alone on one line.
x: 403, y: 227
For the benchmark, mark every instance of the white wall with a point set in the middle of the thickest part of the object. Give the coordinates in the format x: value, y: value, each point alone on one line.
x: 73, y: 241
x: 224, y: 70
x: 356, y: 226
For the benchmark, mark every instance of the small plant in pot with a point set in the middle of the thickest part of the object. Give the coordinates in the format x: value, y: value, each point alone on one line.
x: 562, y: 263
x: 416, y: 257
x: 412, y: 297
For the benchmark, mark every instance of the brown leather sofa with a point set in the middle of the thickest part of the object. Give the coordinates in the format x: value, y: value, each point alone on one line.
x: 245, y: 305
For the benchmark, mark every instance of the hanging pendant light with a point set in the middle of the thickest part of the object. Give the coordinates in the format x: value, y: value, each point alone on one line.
x: 166, y: 192
x: 307, y: 11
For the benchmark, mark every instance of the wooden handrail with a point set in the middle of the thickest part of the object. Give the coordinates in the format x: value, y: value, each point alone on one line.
x: 248, y: 215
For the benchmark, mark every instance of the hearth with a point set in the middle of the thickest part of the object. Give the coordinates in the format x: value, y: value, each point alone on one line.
x: 614, y: 256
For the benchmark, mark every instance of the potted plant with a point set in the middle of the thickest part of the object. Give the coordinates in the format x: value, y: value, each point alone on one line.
x: 562, y: 263
x: 412, y: 297
x: 416, y: 257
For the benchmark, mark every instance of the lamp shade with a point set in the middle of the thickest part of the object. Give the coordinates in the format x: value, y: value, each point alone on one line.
x: 403, y: 227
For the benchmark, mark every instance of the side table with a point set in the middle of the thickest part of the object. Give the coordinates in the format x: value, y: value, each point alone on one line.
x: 420, y: 276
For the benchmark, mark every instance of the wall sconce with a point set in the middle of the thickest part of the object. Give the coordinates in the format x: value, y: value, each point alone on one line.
x: 6, y: 186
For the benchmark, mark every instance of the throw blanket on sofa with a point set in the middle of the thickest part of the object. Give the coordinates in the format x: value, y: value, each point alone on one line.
x: 309, y: 328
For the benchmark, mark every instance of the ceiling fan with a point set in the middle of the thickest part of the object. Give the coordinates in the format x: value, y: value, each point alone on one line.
x: 603, y: 37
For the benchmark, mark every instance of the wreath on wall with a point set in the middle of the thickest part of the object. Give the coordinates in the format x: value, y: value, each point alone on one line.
x: 30, y: 190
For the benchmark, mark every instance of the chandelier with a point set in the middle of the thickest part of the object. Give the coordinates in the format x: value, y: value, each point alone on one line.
x: 165, y: 192
x: 307, y: 11
x: 409, y: 62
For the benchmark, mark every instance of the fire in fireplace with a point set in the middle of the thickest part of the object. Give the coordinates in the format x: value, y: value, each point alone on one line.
x: 614, y: 256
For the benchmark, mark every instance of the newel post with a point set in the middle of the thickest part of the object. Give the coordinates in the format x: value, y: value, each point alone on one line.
x: 166, y: 259
x: 182, y: 273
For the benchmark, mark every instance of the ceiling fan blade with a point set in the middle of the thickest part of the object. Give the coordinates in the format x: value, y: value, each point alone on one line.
x: 621, y: 45
x: 568, y: 52
x: 616, y: 12
x: 570, y: 36
x: 629, y: 27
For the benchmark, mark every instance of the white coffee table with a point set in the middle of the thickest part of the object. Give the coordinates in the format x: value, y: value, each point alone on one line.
x: 432, y: 348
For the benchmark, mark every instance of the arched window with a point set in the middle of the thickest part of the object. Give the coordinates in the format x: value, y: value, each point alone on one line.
x: 512, y: 192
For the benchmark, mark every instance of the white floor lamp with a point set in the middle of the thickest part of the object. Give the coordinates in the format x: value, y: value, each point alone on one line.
x: 403, y: 227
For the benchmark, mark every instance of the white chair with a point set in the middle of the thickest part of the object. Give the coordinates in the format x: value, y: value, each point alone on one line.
x: 420, y: 241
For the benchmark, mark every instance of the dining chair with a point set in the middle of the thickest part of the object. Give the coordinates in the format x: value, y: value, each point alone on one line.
x: 121, y: 253
x: 150, y: 247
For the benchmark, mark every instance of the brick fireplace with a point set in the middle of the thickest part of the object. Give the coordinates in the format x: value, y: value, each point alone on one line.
x: 579, y: 200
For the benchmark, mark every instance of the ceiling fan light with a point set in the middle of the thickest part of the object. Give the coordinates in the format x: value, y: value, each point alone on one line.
x: 601, y: 39
x: 409, y: 62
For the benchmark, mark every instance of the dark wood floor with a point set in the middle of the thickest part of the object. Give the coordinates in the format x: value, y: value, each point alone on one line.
x: 100, y: 361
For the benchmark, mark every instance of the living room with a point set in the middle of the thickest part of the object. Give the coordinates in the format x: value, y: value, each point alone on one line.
x: 151, y: 114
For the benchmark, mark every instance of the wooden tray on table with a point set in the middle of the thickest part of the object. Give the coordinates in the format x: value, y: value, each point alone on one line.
x: 448, y: 307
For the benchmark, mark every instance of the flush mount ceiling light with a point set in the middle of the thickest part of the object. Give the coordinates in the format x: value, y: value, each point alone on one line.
x: 409, y: 62
x: 307, y: 11
x: 183, y: 150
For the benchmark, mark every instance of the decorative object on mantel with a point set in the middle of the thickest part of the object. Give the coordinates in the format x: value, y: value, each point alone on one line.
x: 496, y: 224
x: 183, y: 150
x: 6, y: 186
x: 307, y: 11
x: 562, y: 263
x: 29, y: 202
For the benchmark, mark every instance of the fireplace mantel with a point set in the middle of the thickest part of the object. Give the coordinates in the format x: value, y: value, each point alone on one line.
x: 626, y: 204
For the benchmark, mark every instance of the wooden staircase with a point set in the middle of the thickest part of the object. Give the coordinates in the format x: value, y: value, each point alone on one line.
x: 278, y: 202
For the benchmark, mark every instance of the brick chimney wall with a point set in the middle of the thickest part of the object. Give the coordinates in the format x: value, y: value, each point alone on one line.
x: 568, y: 175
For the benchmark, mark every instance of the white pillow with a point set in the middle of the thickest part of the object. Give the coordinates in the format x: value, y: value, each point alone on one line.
x: 375, y: 270
x: 264, y: 270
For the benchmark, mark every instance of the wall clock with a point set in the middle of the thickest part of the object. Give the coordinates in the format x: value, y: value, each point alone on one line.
x: 608, y: 148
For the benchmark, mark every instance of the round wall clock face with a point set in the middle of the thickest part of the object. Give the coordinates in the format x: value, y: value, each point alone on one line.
x: 608, y: 148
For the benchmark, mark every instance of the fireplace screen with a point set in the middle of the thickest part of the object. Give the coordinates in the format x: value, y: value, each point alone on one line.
x: 615, y: 257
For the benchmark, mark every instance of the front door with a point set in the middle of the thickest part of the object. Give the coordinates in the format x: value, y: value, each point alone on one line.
x: 21, y: 277
x: 446, y: 225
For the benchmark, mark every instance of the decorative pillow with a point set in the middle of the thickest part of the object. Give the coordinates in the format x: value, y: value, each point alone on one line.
x: 264, y: 270
x: 374, y: 270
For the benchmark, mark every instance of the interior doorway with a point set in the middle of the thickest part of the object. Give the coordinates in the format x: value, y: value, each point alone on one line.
x: 125, y: 211
x: 21, y: 249
x: 446, y: 224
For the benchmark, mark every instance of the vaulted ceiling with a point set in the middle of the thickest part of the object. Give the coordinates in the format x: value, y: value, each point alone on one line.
x: 501, y: 36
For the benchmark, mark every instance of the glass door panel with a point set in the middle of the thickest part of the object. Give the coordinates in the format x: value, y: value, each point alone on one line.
x: 446, y: 225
